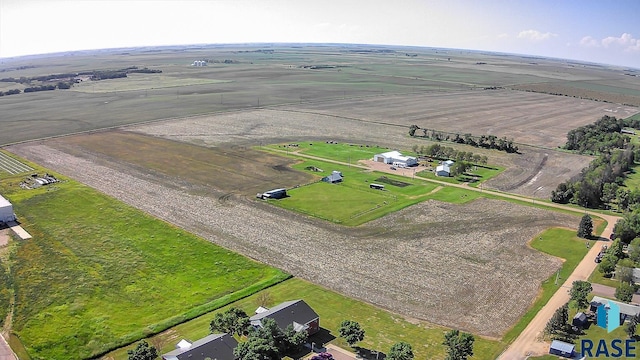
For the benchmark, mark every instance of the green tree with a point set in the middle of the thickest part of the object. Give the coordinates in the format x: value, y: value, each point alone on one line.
x: 256, y: 348
x: 400, y: 351
x: 624, y: 292
x: 351, y: 332
x: 632, y: 326
x: 412, y: 129
x: 579, y: 292
x: 459, y: 345
x: 459, y: 168
x: 233, y: 321
x: 616, y: 249
x: 143, y: 351
x: 634, y: 250
x: 607, y: 266
x: 624, y: 271
x: 585, y: 229
x: 293, y: 340
x: 559, y: 322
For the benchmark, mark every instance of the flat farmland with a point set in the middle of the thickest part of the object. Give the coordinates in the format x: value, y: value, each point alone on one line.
x: 535, y: 171
x: 527, y: 118
x: 445, y: 263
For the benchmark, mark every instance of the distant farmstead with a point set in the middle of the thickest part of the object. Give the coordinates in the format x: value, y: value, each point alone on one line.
x: 199, y: 63
x: 396, y: 158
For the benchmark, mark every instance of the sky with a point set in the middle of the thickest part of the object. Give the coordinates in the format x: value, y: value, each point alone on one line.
x: 605, y: 31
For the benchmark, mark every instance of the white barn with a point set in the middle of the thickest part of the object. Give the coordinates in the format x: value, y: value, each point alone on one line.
x: 443, y: 170
x: 6, y: 211
x: 395, y: 158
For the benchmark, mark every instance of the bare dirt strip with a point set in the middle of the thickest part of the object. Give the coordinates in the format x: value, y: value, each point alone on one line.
x: 444, y: 263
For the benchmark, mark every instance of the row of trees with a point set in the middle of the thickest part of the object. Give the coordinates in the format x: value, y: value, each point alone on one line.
x: 445, y: 152
x: 10, y: 92
x: 483, y: 141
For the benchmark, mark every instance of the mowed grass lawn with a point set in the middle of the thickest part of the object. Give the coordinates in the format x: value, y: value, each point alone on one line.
x: 98, y: 274
x: 344, y: 152
x: 353, y: 202
x: 382, y: 328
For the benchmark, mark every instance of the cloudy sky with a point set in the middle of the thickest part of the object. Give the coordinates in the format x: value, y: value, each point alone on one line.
x: 605, y: 31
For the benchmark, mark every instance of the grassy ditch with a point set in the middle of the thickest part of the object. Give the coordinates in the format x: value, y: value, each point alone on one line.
x: 93, y: 262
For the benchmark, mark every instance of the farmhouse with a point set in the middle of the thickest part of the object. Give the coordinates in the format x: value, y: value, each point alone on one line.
x: 6, y: 211
x: 294, y: 312
x: 335, y: 177
x: 215, y: 346
x: 395, y: 158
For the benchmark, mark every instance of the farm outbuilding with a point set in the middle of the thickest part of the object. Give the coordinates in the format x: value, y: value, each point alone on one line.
x: 561, y: 348
x: 443, y: 170
x: 6, y: 211
x: 273, y: 194
x: 580, y: 320
x: 396, y: 158
x: 335, y: 177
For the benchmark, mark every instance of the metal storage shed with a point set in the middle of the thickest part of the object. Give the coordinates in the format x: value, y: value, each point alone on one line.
x: 561, y: 348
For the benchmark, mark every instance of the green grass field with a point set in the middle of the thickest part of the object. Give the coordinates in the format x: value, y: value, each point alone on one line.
x: 382, y: 328
x: 98, y: 274
x: 562, y: 243
x: 352, y: 202
x: 339, y: 152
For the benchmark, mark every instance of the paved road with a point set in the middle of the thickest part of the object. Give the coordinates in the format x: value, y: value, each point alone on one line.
x: 610, y: 292
x: 5, y: 351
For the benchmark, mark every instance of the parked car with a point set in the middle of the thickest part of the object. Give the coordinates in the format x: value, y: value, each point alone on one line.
x: 393, y: 168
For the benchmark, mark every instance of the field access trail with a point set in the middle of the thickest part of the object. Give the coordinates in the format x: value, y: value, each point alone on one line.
x: 529, y: 342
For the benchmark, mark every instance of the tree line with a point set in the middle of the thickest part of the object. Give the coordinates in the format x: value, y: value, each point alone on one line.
x: 483, y: 141
x: 10, y: 92
x: 448, y: 153
x: 601, y: 182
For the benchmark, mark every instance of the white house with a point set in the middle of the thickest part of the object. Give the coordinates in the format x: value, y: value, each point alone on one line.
x: 395, y: 158
x: 6, y: 211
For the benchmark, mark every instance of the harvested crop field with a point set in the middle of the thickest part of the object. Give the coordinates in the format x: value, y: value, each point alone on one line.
x: 527, y: 118
x: 230, y: 170
x: 448, y: 264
